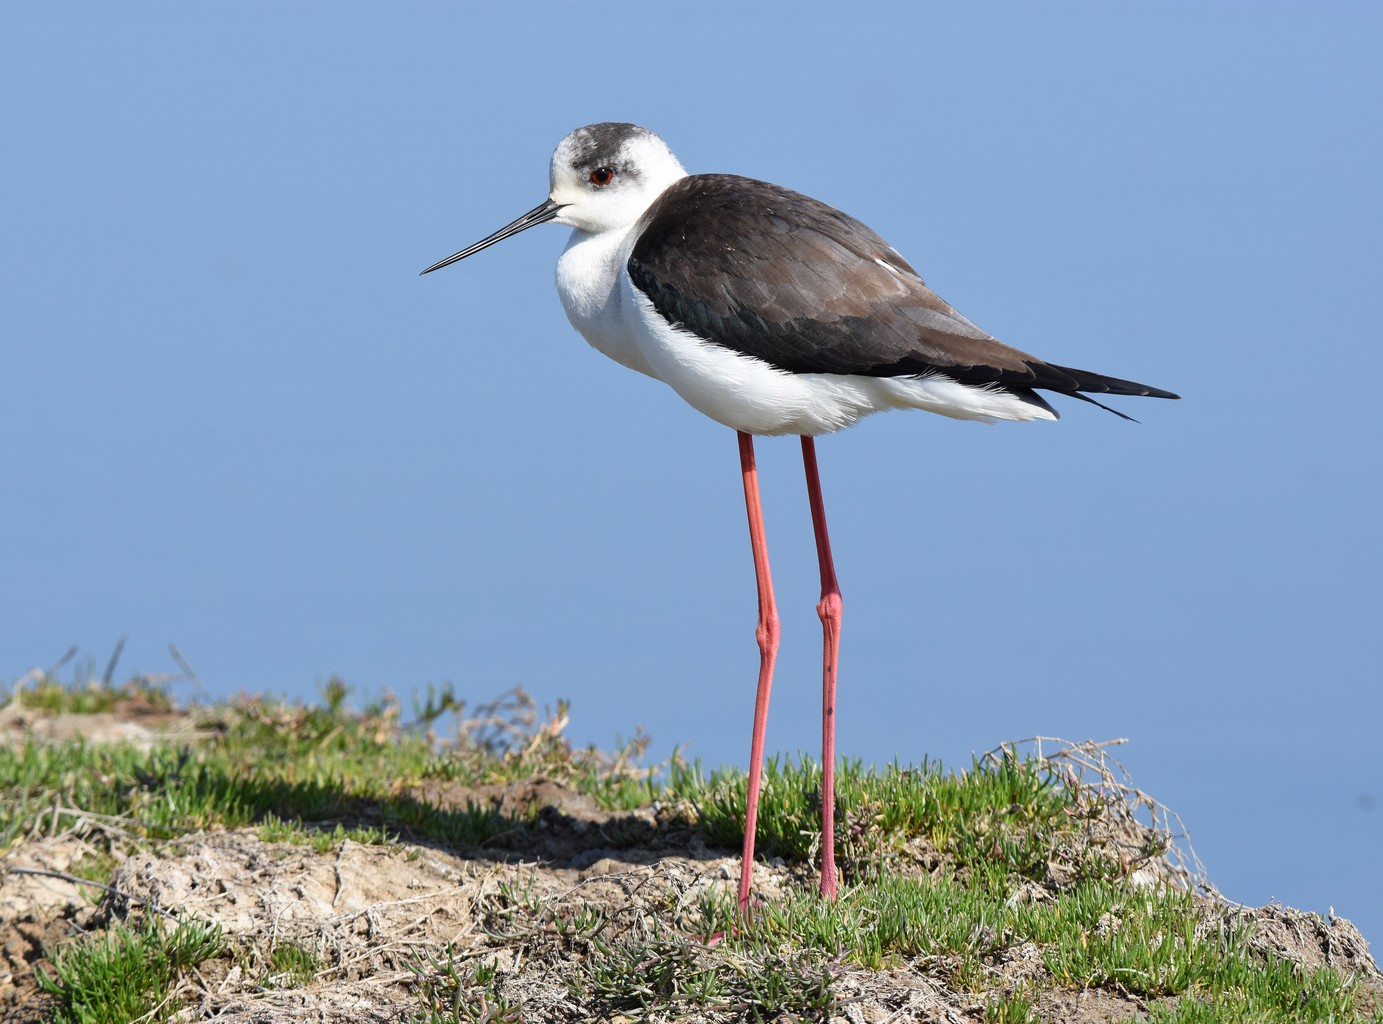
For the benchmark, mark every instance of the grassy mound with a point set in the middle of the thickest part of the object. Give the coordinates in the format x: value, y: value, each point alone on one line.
x: 265, y: 861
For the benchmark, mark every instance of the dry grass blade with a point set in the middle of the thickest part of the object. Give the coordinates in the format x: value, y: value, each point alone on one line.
x: 1149, y: 834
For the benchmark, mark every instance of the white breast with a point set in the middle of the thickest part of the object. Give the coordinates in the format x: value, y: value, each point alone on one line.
x: 589, y: 274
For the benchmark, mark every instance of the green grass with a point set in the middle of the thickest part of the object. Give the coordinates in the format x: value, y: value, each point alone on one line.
x: 1152, y: 943
x: 986, y: 837
x: 1009, y: 1009
x: 126, y: 973
x: 1246, y: 989
x: 670, y: 974
x: 290, y: 767
x: 946, y: 873
x: 164, y: 793
x: 452, y: 993
x: 46, y: 694
x: 291, y: 966
x: 274, y: 829
x: 993, y: 823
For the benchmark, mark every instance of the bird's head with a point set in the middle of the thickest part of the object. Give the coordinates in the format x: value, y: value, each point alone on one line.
x: 603, y: 177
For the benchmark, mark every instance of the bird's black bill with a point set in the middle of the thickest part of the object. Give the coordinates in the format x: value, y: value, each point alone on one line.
x: 538, y: 215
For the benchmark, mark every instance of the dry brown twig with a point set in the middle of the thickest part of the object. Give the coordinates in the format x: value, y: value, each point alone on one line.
x: 1087, y: 771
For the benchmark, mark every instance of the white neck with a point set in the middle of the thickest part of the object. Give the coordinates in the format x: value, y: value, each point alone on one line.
x: 588, y: 279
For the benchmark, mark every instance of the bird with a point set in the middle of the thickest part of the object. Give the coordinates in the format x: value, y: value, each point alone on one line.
x: 772, y: 313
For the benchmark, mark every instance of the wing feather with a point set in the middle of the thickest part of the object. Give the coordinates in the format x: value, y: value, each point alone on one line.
x: 786, y: 279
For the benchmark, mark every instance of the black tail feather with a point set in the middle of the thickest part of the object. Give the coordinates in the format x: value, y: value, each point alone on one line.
x: 1102, y: 385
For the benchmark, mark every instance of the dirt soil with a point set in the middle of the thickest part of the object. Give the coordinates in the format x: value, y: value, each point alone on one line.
x: 376, y: 915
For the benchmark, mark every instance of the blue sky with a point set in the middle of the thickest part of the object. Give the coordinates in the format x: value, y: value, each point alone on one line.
x: 235, y: 418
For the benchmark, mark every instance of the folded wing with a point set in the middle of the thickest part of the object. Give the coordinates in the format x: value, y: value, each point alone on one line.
x: 786, y: 279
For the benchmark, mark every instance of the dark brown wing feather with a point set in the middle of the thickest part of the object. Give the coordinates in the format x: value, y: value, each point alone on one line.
x: 776, y: 275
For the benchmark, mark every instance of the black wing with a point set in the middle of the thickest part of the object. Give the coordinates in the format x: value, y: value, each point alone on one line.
x: 781, y: 277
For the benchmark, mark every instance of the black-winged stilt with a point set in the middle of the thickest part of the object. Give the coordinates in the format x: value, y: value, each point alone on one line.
x: 772, y: 313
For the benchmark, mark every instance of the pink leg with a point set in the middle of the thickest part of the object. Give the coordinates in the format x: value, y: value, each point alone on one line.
x: 767, y: 634
x: 829, y: 609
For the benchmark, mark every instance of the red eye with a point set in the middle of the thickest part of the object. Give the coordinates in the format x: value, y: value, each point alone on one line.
x: 602, y: 176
